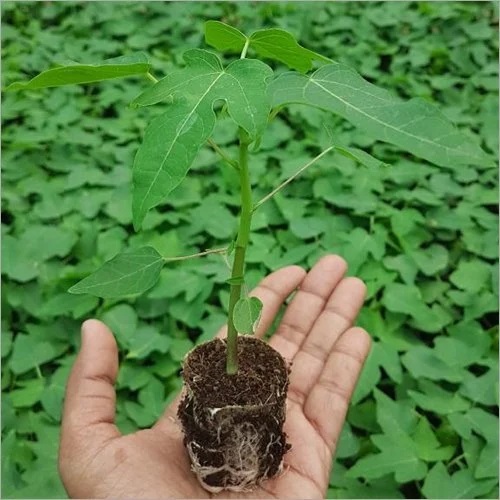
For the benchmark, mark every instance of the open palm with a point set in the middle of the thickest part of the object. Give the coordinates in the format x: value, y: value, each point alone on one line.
x: 315, y: 335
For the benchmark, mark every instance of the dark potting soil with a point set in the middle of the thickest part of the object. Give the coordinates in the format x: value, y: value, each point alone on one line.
x: 233, y: 424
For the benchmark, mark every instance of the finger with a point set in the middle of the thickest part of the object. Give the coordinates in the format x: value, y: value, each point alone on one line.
x: 89, y: 407
x: 273, y: 290
x: 307, y: 305
x: 327, y: 403
x: 339, y: 314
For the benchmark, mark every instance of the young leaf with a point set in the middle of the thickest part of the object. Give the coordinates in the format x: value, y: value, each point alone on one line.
x: 416, y: 125
x: 246, y: 314
x: 173, y: 139
x: 128, y: 273
x: 223, y: 37
x: 280, y: 45
x: 74, y: 73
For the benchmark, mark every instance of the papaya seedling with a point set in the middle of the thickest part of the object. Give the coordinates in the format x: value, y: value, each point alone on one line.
x: 233, y: 408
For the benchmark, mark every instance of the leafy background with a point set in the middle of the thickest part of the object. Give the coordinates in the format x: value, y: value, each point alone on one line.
x: 424, y: 419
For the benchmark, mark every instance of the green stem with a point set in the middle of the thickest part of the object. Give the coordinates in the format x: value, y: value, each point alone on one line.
x: 239, y: 253
x: 199, y: 254
x: 291, y: 178
x: 151, y: 77
x: 223, y: 155
x: 245, y: 49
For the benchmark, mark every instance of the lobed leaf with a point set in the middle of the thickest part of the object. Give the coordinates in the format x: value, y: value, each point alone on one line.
x: 416, y: 125
x: 75, y: 73
x: 462, y: 484
x: 398, y: 456
x: 129, y: 273
x: 173, y: 139
x: 246, y: 314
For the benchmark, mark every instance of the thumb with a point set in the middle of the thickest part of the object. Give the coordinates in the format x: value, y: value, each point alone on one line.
x: 89, y: 408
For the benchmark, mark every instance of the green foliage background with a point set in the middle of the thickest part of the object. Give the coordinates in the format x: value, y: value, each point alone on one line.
x: 423, y: 422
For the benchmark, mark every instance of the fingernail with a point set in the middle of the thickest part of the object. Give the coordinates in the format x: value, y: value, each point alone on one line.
x: 87, y: 327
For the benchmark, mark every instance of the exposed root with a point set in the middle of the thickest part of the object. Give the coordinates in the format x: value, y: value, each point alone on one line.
x: 241, y: 460
x: 233, y: 426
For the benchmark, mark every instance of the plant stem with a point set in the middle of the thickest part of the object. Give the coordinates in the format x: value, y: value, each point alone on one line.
x: 245, y: 49
x: 151, y: 77
x: 223, y: 155
x: 239, y: 253
x: 200, y: 254
x: 290, y: 179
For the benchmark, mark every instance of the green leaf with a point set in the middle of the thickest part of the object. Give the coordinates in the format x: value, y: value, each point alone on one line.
x: 173, y: 139
x: 471, y: 275
x: 152, y: 397
x: 64, y: 304
x: 434, y: 398
x: 430, y: 260
x: 76, y: 73
x: 348, y: 444
x: 428, y: 446
x: 482, y: 389
x: 273, y: 43
x: 405, y: 266
x: 456, y: 353
x: 28, y: 352
x: 439, y: 484
x: 246, y: 314
x: 416, y: 125
x: 28, y: 395
x: 280, y: 45
x: 128, y: 273
x: 122, y: 320
x: 487, y: 465
x: 398, y: 456
x: 422, y: 362
x: 472, y: 448
x: 407, y: 299
x: 223, y: 37
x: 476, y: 419
x: 369, y: 378
x: 179, y: 348
x: 6, y: 343
x: 52, y: 400
x: 146, y: 340
x: 22, y: 256
x: 133, y: 376
x: 308, y: 227
x: 395, y: 418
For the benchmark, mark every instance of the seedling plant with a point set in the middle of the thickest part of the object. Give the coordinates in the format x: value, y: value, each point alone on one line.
x: 251, y: 94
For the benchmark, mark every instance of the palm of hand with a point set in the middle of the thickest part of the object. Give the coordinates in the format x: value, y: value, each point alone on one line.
x: 315, y: 334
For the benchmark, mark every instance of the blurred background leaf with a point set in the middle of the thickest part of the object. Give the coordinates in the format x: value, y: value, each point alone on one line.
x: 424, y: 238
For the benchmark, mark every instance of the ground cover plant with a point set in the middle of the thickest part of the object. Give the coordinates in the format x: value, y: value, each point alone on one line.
x: 402, y: 241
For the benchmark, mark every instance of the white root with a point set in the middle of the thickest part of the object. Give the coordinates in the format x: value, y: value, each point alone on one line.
x: 240, y: 459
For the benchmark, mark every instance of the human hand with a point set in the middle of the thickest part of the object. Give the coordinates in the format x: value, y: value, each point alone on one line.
x: 315, y: 334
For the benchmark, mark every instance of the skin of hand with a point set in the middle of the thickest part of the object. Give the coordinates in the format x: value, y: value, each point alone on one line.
x: 316, y: 334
